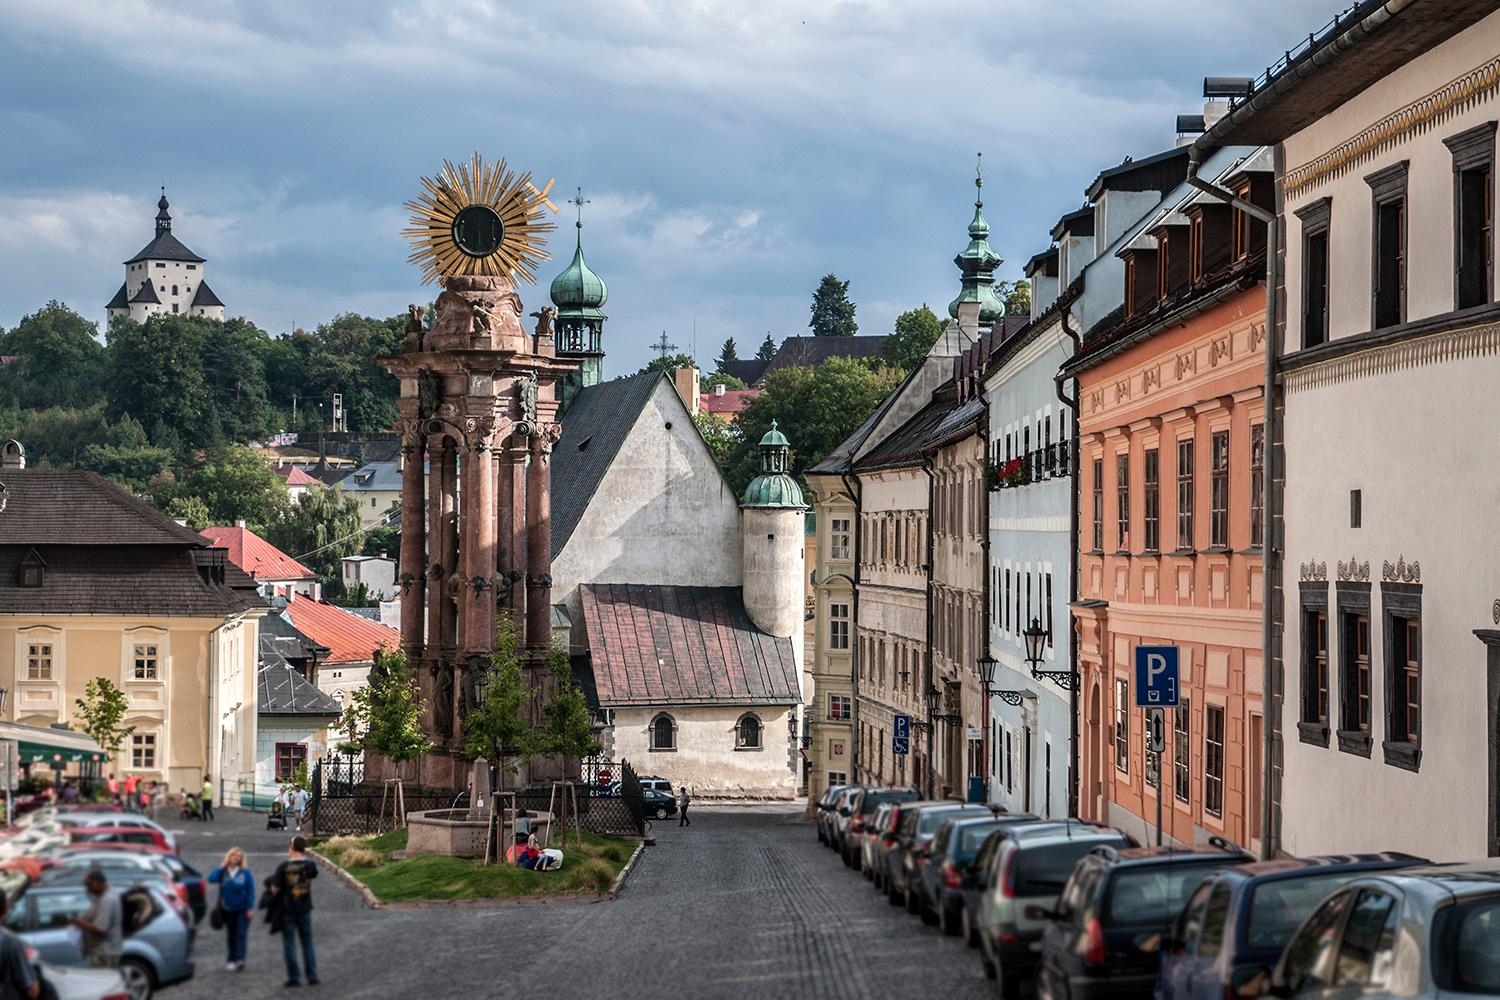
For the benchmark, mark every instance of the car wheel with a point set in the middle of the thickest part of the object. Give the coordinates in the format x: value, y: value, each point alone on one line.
x: 139, y: 982
x: 928, y: 914
x: 950, y: 926
x: 966, y: 926
x: 661, y: 812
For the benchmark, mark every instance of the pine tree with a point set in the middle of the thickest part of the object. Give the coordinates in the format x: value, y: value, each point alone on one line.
x: 727, y: 353
x: 767, y: 349
x: 832, y: 312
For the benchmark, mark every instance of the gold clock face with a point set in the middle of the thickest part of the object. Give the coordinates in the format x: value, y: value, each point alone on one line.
x: 478, y: 219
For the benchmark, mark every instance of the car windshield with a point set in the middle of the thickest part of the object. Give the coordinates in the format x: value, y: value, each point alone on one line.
x: 1043, y: 870
x: 1153, y: 895
x: 928, y: 820
x: 874, y: 800
x: 971, y: 837
x: 1469, y: 933
x: 1278, y: 907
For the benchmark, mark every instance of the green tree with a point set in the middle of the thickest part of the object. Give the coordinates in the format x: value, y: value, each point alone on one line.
x: 234, y: 484
x: 385, y: 716
x: 720, y: 378
x: 57, y: 360
x: 234, y: 371
x: 384, y: 540
x: 767, y: 349
x: 127, y: 456
x: 56, y: 437
x: 286, y: 364
x: 832, y: 312
x: 566, y: 729
x: 101, y: 714
x: 190, y: 510
x: 155, y: 374
x: 1017, y: 296
x: 915, y: 333
x: 319, y: 529
x: 728, y: 353
x: 496, y: 728
x: 669, y: 363
x: 341, y: 360
x: 719, y: 433
x: 816, y: 408
x: 357, y: 596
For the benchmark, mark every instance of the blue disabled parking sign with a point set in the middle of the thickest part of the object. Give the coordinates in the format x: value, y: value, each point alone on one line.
x: 901, y: 734
x: 1156, y: 677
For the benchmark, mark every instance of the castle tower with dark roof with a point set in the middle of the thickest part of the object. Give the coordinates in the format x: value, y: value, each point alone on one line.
x: 164, y: 278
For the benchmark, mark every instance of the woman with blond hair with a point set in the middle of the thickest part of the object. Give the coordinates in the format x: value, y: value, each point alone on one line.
x: 236, y: 903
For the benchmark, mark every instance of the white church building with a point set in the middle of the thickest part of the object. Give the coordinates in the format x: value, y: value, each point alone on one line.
x: 164, y: 278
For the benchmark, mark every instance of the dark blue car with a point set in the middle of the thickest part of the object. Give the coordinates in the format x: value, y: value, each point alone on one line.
x: 1235, y: 925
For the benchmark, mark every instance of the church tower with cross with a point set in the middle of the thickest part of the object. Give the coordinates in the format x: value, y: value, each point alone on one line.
x: 579, y: 295
x: 164, y: 278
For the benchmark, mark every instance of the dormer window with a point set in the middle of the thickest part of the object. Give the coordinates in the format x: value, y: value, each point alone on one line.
x: 32, y: 571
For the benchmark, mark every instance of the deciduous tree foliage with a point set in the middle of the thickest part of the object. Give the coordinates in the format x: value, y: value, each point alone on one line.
x: 234, y: 484
x: 339, y: 360
x: 319, y: 529
x: 57, y: 360
x: 915, y: 333
x: 832, y: 312
x: 385, y: 716
x: 816, y: 408
x: 101, y: 714
x: 1017, y: 296
x: 719, y: 433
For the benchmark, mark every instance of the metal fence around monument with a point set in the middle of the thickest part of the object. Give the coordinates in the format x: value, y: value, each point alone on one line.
x: 610, y: 802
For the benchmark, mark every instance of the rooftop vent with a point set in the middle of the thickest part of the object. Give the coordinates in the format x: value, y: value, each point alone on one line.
x: 1228, y: 86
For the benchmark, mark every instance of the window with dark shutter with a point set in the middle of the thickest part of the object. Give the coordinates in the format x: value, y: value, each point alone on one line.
x: 1314, y: 218
x: 1354, y: 667
x: 1388, y: 192
x: 1218, y: 524
x: 1473, y: 215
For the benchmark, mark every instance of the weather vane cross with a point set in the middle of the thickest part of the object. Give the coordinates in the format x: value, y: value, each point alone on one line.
x: 579, y: 201
x: 662, y: 346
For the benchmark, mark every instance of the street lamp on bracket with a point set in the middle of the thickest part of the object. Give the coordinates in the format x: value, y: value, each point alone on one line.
x: 1036, y: 643
x: 987, y: 674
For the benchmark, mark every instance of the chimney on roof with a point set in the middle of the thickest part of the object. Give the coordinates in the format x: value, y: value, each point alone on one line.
x: 718, y: 388
x: 12, y: 455
x: 686, y: 381
x: 240, y: 523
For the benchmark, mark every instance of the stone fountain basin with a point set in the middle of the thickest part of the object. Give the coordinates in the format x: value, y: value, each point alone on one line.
x: 459, y: 832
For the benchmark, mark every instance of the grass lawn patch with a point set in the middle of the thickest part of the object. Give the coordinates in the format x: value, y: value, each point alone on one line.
x: 589, y: 868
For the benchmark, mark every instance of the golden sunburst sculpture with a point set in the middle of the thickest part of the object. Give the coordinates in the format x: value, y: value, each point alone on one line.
x: 478, y: 218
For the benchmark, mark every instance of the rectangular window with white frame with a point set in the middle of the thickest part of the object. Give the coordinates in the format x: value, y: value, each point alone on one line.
x: 39, y: 661
x: 838, y: 625
x: 143, y: 751
x: 838, y: 538
x: 1122, y: 726
x: 145, y: 661
x: 838, y: 707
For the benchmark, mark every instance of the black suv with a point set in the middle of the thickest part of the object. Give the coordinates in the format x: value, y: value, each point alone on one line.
x: 1103, y: 938
x: 861, y: 812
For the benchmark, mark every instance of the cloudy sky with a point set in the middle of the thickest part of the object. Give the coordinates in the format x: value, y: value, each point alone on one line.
x: 732, y: 152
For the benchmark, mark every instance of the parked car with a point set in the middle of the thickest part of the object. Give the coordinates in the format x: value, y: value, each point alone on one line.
x: 950, y: 860
x: 59, y: 982
x: 158, y: 940
x: 658, y: 804
x: 90, y: 820
x: 1115, y: 901
x: 869, y: 841
x: 884, y: 841
x: 825, y: 812
x: 656, y: 783
x: 156, y: 878
x: 49, y: 813
x: 908, y: 854
x: 862, y: 806
x: 128, y: 859
x: 840, y: 821
x: 1238, y: 921
x: 34, y: 840
x: 144, y: 836
x: 1431, y: 932
x: 1019, y: 867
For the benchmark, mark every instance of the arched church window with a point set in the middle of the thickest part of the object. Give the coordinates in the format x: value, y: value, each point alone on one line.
x: 663, y: 732
x: 747, y: 732
x: 174, y: 289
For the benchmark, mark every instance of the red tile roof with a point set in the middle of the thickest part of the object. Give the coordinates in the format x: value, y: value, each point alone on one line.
x: 256, y: 556
x: 293, y: 475
x: 654, y: 645
x: 348, y: 637
x: 731, y: 403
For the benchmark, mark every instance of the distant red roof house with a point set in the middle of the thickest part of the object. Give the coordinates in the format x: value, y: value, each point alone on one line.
x: 294, y: 476
x: 258, y: 558
x: 730, y: 403
x: 348, y: 637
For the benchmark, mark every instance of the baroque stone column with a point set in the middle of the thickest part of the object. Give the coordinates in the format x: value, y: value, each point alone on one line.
x: 539, y: 539
x: 413, y: 567
x: 512, y: 526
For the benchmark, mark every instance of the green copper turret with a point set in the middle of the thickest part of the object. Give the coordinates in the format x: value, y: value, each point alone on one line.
x: 977, y: 264
x: 579, y: 294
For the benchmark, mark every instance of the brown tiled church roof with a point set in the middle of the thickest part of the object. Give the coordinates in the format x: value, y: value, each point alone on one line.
x: 658, y: 645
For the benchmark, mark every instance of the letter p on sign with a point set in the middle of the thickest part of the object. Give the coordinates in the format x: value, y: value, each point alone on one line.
x: 1156, y: 676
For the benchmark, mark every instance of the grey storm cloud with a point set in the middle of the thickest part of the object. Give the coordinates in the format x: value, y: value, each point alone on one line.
x: 732, y: 153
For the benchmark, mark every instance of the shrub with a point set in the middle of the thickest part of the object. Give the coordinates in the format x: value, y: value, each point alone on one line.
x: 361, y: 857
x: 596, y: 873
x: 334, y: 846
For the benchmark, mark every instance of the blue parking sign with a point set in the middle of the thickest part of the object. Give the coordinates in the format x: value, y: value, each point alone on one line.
x: 1156, y: 677
x: 901, y: 734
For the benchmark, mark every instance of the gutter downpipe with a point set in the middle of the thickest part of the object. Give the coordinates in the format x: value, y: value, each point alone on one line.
x: 928, y: 685
x: 984, y: 589
x: 857, y: 495
x: 1268, y: 483
x: 1072, y: 404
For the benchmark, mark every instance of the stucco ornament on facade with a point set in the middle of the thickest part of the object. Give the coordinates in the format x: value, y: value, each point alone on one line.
x: 1354, y: 571
x: 1413, y: 119
x: 1474, y: 341
x: 1314, y: 571
x: 1401, y: 571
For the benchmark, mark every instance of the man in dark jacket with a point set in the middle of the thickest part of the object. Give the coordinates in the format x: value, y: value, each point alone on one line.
x: 292, y: 887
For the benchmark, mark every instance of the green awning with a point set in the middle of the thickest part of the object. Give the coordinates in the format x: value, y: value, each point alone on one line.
x: 51, y: 747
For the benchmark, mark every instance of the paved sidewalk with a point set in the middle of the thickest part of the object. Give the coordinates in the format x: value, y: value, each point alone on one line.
x: 744, y: 903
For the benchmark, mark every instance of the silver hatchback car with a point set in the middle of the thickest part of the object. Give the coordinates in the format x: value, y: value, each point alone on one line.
x: 1430, y: 932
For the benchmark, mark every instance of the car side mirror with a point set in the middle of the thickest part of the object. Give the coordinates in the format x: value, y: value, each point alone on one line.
x: 1038, y: 912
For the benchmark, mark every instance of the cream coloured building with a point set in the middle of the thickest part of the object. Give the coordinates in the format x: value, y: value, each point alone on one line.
x: 94, y: 583
x: 830, y: 695
x: 165, y: 278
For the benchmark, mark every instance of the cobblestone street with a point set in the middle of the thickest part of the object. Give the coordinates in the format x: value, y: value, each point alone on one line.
x: 745, y: 903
